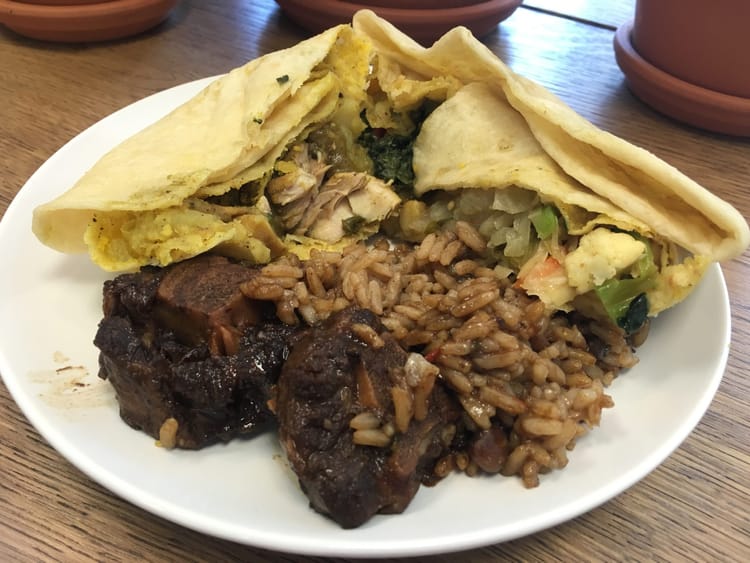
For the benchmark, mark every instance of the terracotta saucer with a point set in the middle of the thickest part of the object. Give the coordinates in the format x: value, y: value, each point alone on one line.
x: 421, y: 4
x: 423, y: 25
x: 61, y: 2
x: 99, y: 21
x: 676, y: 98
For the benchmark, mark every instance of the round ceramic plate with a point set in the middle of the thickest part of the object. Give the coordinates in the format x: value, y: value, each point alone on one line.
x: 50, y: 305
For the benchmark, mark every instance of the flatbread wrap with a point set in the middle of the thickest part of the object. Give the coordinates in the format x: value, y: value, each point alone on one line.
x: 361, y: 129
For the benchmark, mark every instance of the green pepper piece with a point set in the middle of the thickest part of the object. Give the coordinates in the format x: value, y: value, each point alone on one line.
x: 625, y: 299
x: 617, y: 295
x: 544, y: 220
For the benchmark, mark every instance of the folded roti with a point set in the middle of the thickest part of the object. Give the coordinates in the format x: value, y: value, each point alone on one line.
x: 132, y: 207
x: 500, y: 130
x: 152, y: 199
x: 631, y: 178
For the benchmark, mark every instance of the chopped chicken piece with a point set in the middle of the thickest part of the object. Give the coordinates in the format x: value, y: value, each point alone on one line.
x: 347, y: 195
x: 294, y: 190
x: 308, y: 204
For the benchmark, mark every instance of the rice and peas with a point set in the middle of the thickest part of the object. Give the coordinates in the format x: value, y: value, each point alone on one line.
x: 527, y: 374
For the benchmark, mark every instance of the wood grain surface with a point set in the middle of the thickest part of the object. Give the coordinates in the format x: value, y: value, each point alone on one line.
x: 692, y: 507
x: 601, y: 13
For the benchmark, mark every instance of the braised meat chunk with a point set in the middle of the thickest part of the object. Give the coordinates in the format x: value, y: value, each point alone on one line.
x: 192, y: 361
x: 362, y: 421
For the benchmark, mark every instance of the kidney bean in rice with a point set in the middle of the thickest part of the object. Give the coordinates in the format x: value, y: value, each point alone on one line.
x: 531, y: 381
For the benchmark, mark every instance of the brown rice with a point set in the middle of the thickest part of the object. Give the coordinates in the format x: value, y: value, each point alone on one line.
x: 514, y: 366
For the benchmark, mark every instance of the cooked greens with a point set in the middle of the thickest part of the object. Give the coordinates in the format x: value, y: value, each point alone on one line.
x: 391, y: 155
x: 391, y: 151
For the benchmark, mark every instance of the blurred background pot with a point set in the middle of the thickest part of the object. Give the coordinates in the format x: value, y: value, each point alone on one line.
x: 420, y: 4
x: 690, y: 59
x: 73, y: 21
x: 424, y: 21
x: 705, y: 42
x: 61, y: 2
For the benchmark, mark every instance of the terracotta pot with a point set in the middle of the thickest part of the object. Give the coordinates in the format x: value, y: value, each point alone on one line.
x: 61, y: 2
x: 706, y: 43
x: 419, y: 4
x: 425, y: 25
x: 689, y: 60
x: 90, y: 21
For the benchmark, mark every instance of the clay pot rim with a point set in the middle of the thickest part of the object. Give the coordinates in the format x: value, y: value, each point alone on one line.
x: 339, y: 8
x: 690, y: 103
x: 23, y: 10
x: 372, y: 4
x: 84, y: 23
x: 62, y: 2
x: 424, y: 26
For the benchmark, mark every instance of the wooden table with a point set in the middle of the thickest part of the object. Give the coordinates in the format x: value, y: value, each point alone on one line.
x: 694, y: 506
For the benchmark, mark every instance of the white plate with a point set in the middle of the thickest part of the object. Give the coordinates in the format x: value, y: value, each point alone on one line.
x: 49, y: 309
